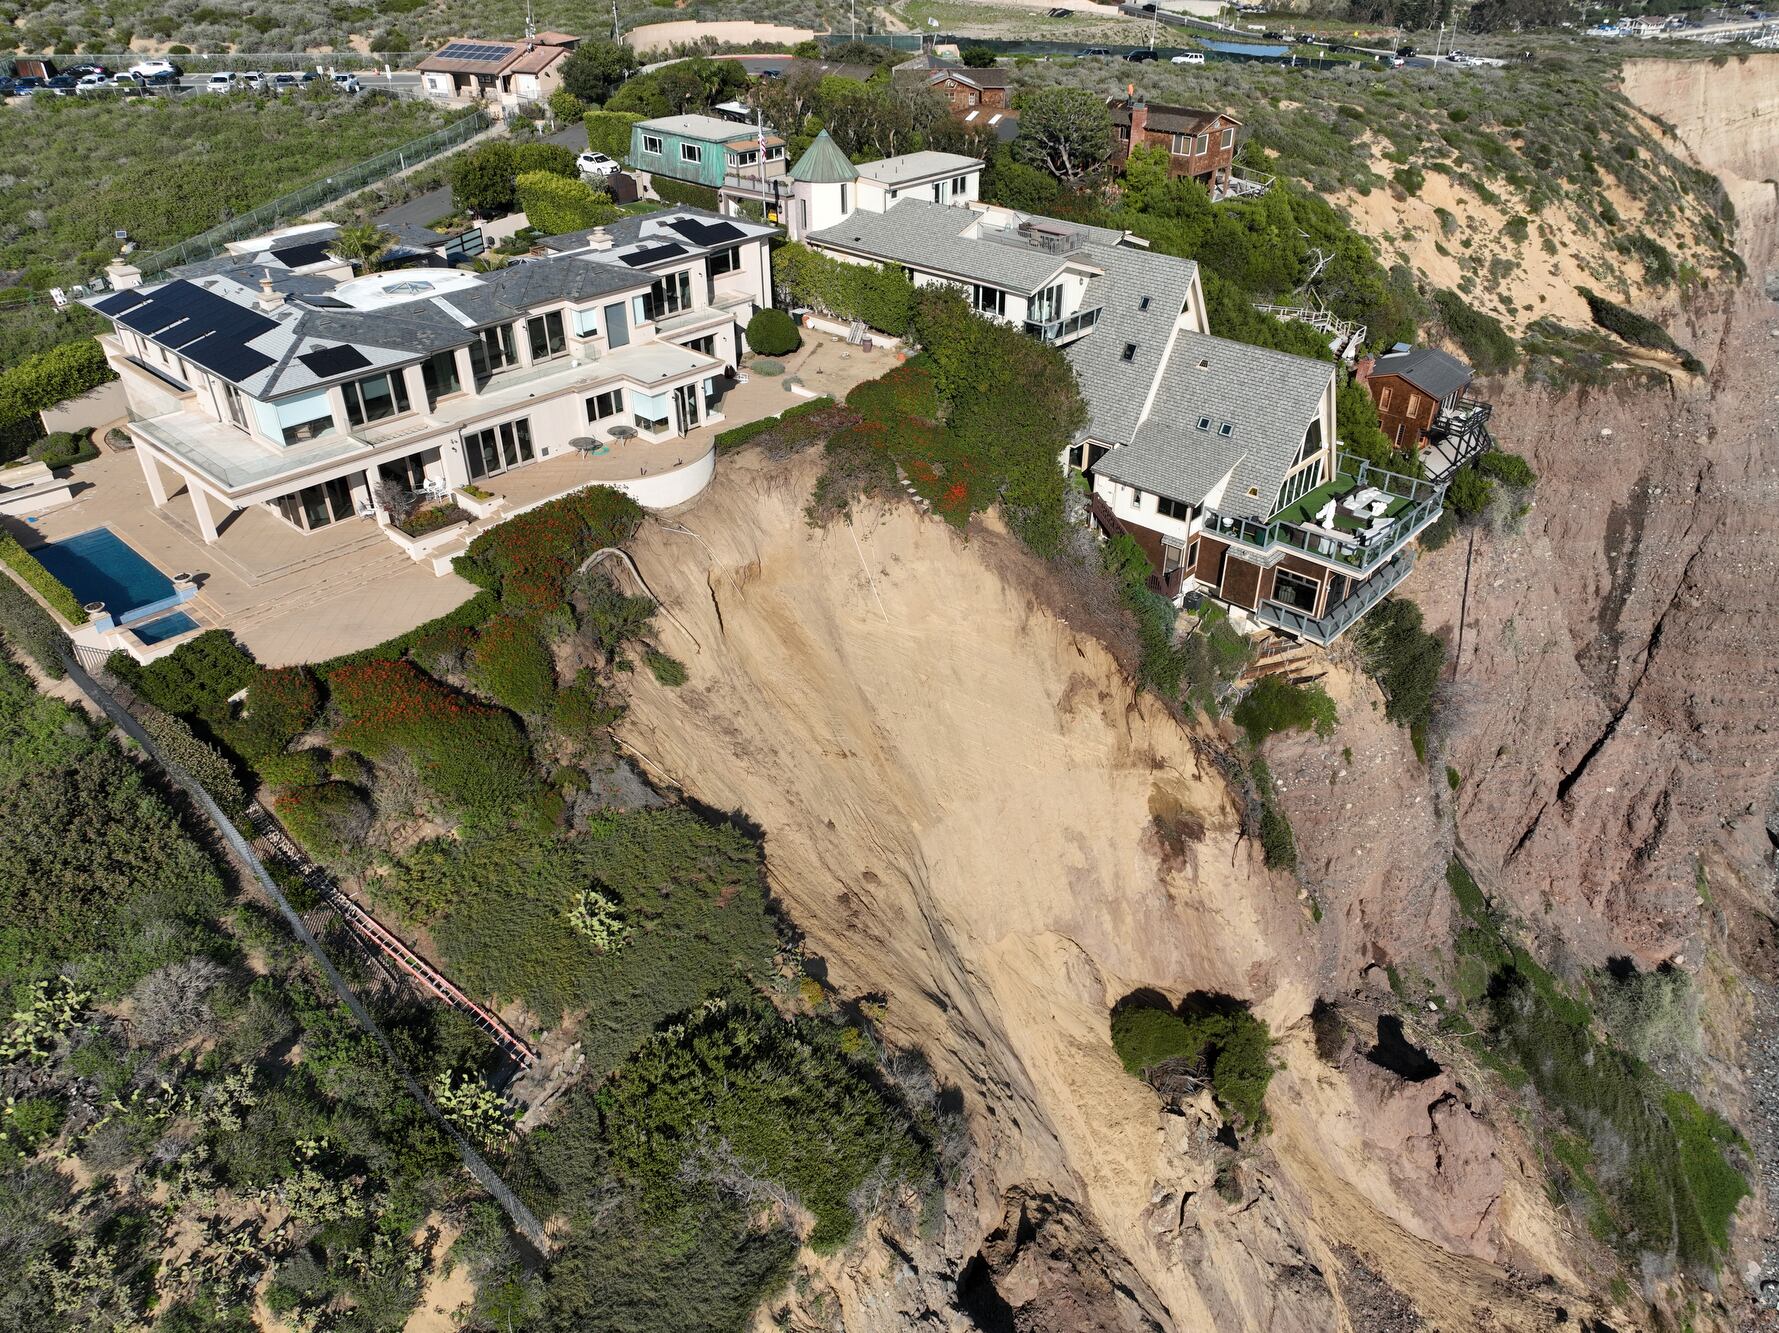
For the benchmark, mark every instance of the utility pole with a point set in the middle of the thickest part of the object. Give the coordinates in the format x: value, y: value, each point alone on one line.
x: 617, y: 34
x: 855, y: 20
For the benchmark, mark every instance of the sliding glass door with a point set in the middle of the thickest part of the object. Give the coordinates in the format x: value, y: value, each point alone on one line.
x: 498, y: 448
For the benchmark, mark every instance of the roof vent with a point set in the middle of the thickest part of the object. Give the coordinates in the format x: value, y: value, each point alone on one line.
x: 269, y: 299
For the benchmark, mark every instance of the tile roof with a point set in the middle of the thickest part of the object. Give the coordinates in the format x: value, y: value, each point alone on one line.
x: 1268, y: 398
x: 930, y: 236
x: 1427, y: 368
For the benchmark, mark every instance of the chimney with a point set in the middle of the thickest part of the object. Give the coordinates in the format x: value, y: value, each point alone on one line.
x: 601, y: 239
x: 1139, y: 114
x: 1362, y: 371
x: 269, y: 299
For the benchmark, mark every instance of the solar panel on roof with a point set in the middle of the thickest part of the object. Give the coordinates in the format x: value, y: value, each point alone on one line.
x: 228, y: 359
x: 119, y: 302
x: 328, y: 361
x: 474, y: 51
x: 706, y: 233
x: 299, y: 256
x: 325, y: 302
x: 185, y: 316
x: 653, y: 254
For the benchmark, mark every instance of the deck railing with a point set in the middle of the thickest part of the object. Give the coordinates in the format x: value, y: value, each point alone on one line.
x: 1326, y: 629
x: 1061, y: 330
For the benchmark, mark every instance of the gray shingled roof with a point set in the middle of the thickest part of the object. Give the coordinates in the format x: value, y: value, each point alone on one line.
x: 930, y: 236
x: 1427, y: 368
x: 635, y: 227
x: 1116, y: 389
x: 1268, y: 398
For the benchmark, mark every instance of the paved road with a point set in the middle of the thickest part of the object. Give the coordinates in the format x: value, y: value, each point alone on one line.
x: 436, y: 203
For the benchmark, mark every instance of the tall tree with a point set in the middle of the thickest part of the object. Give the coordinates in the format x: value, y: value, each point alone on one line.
x: 1065, y: 131
x: 363, y: 246
x: 595, y: 70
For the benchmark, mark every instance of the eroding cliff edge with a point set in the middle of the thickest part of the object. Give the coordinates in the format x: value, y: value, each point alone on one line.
x: 972, y: 815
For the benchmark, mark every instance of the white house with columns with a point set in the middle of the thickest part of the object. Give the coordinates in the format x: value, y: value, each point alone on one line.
x: 274, y: 375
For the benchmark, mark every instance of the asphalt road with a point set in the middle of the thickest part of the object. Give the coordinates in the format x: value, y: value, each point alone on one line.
x: 436, y: 203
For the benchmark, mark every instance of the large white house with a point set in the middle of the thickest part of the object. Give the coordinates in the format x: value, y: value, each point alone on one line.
x: 1220, y: 459
x: 274, y: 376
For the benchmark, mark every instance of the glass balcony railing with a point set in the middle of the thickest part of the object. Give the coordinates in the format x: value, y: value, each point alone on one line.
x: 1062, y: 330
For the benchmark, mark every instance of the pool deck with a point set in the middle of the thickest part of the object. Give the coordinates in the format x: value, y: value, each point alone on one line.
x: 293, y: 596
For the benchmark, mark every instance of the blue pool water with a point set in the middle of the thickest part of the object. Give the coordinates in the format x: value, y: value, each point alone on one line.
x: 159, y: 631
x: 99, y: 566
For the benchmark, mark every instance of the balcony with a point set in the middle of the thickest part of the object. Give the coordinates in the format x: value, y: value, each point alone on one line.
x: 1345, y: 542
x: 1459, y: 434
x: 1045, y: 234
x: 1240, y: 184
x: 1064, y: 330
x: 1343, y: 613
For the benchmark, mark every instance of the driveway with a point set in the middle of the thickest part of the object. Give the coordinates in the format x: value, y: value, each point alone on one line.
x: 435, y: 204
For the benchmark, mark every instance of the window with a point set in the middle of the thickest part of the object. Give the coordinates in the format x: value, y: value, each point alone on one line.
x: 375, y: 397
x: 1192, y: 555
x: 1130, y: 351
x: 1294, y: 590
x: 843, y: 208
x: 317, y: 506
x: 1182, y: 143
x: 989, y: 300
x: 297, y: 431
x: 1204, y: 423
x: 1204, y: 144
x: 1312, y: 442
x: 651, y: 143
x: 1297, y: 485
x: 725, y: 261
x: 774, y: 152
x: 959, y: 184
x: 1228, y: 140
x: 691, y: 152
x: 1171, y: 508
x: 237, y: 411
x: 1124, y: 133
x: 650, y: 414
x: 1226, y: 430
x: 498, y: 448
x: 493, y: 350
x: 439, y: 374
x: 747, y: 157
x: 1143, y: 303
x: 603, y: 405
x: 894, y: 193
x: 1046, y: 305
x: 545, y: 333
x: 670, y: 293
x: 586, y: 323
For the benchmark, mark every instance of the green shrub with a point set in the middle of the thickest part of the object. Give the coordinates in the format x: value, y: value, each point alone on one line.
x: 666, y: 670
x: 28, y: 1123
x: 281, y: 704
x: 529, y: 559
x: 1470, y: 492
x: 554, y: 205
x: 771, y: 332
x: 1410, y: 179
x: 608, y: 132
x: 767, y: 366
x: 329, y: 821
x: 1638, y: 330
x: 196, y: 678
x: 1222, y: 1042
x: 1508, y: 469
x: 510, y: 663
x: 1278, y: 844
x: 1276, y: 705
x: 1489, y: 347
x: 203, y: 762
x: 881, y: 298
x: 566, y: 107
x: 65, y: 371
x: 684, y: 192
x: 736, y: 436
x: 300, y: 768
x: 27, y: 628
x: 1403, y: 658
x: 40, y: 580
x: 64, y: 450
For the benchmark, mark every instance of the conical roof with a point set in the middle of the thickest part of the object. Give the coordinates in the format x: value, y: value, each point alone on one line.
x: 823, y: 163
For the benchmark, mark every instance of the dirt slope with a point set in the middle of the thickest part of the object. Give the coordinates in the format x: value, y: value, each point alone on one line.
x: 959, y: 796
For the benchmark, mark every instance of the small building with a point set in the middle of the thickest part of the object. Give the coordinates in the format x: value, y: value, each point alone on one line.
x: 704, y: 150
x: 965, y: 89
x: 1422, y: 400
x: 506, y: 73
x: 827, y: 187
x: 1199, y: 143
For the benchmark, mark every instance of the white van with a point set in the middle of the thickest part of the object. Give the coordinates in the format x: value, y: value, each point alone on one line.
x: 223, y: 81
x: 1189, y: 58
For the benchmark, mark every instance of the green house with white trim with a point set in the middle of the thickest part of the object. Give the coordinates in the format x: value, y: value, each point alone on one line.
x: 705, y: 150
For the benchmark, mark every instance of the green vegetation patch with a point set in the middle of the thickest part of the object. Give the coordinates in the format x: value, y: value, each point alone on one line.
x: 1220, y: 1041
x: 1276, y: 704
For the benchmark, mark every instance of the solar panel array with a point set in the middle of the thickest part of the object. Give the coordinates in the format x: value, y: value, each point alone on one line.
x: 699, y: 232
x: 299, y: 256
x: 653, y: 254
x: 325, y: 362
x: 201, y: 326
x: 480, y: 52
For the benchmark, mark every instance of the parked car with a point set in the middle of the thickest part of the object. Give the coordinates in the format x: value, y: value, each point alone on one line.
x: 1406, y: 52
x: 253, y: 78
x: 348, y: 83
x: 1188, y: 58
x: 284, y: 83
x: 1097, y: 51
x: 223, y: 81
x: 8, y: 85
x: 147, y: 69
x: 1141, y: 54
x: 81, y: 71
x: 63, y: 85
x: 94, y: 83
x: 595, y: 164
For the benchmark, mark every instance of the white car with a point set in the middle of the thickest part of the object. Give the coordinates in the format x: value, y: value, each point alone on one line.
x: 149, y: 68
x: 595, y: 164
x: 90, y: 83
x: 222, y: 81
x: 1190, y: 58
x: 348, y: 83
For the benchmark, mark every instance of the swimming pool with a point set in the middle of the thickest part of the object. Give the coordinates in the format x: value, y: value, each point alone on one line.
x: 164, y: 628
x: 99, y: 566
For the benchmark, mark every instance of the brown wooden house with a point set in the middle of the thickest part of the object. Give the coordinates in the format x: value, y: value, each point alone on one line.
x: 1199, y: 143
x: 966, y: 89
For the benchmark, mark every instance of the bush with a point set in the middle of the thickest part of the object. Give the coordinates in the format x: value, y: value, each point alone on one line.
x: 880, y: 298
x: 329, y: 821
x: 27, y: 628
x: 529, y: 559
x: 737, y: 436
x: 303, y: 768
x: 1403, y: 658
x: 1508, y: 469
x: 65, y: 371
x: 608, y: 132
x: 1470, y: 492
x: 204, y: 763
x: 474, y: 758
x: 1219, y: 1040
x: 1278, y: 845
x: 194, y: 679
x: 555, y: 206
x: 64, y: 450
x: 771, y: 332
x: 566, y: 107
x: 1638, y: 330
x: 511, y: 664
x: 684, y: 192
x: 1489, y: 347
x: 666, y: 670
x: 1276, y: 705
x: 40, y: 580
x: 281, y: 703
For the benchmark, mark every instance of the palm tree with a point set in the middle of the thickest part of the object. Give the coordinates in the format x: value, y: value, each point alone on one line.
x: 363, y: 246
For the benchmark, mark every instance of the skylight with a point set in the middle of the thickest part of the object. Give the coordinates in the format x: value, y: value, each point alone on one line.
x: 1143, y: 304
x: 1130, y: 351
x: 1204, y: 423
x: 1226, y: 429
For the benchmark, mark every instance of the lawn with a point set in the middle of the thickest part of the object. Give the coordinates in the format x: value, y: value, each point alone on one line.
x: 1304, y: 510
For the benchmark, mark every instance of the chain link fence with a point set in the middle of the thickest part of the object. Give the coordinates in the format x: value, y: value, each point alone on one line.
x: 325, y: 191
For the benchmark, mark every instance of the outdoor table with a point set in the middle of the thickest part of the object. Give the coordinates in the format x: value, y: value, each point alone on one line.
x: 587, y: 446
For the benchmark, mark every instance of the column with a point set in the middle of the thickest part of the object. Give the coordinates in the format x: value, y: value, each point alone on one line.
x: 200, y: 503
x: 151, y: 474
x: 456, y: 470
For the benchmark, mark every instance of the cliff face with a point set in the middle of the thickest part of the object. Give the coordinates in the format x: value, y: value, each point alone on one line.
x: 970, y: 814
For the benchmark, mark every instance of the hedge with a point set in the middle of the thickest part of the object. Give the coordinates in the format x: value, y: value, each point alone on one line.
x: 193, y: 680
x: 38, y: 382
x: 29, y: 629
x: 555, y: 206
x: 52, y: 589
x: 205, y: 763
x: 684, y: 192
x: 737, y: 436
x: 882, y: 298
x: 608, y: 132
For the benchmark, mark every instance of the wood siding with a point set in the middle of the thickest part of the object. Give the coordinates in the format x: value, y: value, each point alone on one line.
x: 1241, y: 583
x: 965, y: 97
x: 1402, y: 410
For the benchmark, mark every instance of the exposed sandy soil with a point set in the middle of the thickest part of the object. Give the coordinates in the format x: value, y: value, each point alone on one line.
x: 448, y: 1290
x: 959, y: 795
x: 660, y: 36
